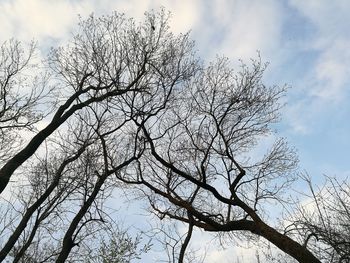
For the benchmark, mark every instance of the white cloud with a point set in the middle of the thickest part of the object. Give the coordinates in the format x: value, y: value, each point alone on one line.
x: 41, y: 19
x: 207, y: 243
x: 298, y: 122
x: 245, y: 26
x: 250, y: 26
x: 330, y: 17
x: 323, y: 86
x: 38, y: 18
x: 185, y: 14
x: 233, y: 255
x: 332, y: 71
x: 332, y: 39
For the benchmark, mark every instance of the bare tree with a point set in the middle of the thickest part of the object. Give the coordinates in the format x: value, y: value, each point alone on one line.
x: 41, y: 208
x: 197, y: 166
x: 169, y: 235
x: 40, y: 198
x: 152, y: 115
x: 322, y: 220
x: 107, y: 58
x: 110, y: 62
x: 20, y: 94
x: 65, y: 208
x: 120, y: 247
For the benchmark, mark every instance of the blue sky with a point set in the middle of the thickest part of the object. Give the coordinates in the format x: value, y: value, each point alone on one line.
x: 306, y: 42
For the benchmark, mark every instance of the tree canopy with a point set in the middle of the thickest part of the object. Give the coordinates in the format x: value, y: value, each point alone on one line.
x: 131, y: 105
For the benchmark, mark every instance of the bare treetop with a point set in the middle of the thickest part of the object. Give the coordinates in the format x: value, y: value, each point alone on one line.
x: 144, y: 112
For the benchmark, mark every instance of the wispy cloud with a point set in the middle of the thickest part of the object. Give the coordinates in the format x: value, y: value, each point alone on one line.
x: 249, y: 26
x: 331, y: 40
x: 38, y: 18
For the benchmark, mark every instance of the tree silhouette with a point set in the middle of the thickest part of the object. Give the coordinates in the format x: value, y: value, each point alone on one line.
x: 134, y: 106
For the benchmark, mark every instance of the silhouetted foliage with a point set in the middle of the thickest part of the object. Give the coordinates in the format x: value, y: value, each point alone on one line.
x: 134, y: 107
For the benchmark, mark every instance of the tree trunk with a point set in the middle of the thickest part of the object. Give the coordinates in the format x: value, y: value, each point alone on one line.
x: 68, y: 242
x: 285, y: 243
x: 30, y: 210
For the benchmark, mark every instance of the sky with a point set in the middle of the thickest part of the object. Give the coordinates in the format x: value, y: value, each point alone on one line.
x: 306, y: 43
